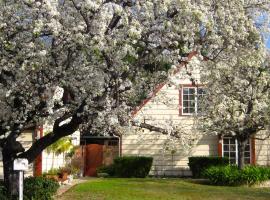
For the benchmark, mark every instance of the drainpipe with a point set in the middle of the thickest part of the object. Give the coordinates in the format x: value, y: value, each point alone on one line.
x: 119, y: 144
x: 83, y: 156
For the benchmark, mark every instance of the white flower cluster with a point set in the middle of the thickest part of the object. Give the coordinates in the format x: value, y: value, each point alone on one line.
x: 94, y: 50
x: 237, y: 100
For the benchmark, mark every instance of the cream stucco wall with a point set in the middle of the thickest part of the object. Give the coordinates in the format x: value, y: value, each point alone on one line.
x: 161, y: 110
x: 262, y: 150
x: 166, y: 162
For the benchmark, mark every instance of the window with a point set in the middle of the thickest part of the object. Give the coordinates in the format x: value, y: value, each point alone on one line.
x: 230, y: 150
x: 191, y: 98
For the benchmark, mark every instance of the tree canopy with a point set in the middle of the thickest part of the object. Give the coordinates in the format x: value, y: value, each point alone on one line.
x: 78, y: 62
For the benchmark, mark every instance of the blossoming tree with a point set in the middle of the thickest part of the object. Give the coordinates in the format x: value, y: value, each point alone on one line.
x: 237, y: 101
x: 77, y: 62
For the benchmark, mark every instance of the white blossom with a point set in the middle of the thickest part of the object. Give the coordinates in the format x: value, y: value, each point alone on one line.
x: 84, y: 59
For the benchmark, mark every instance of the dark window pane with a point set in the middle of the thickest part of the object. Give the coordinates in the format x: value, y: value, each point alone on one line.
x: 233, y: 147
x: 247, y: 154
x: 191, y: 90
x: 185, y: 110
x: 232, y: 160
x: 247, y: 148
x: 232, y: 141
x: 185, y: 90
x: 192, y: 97
x: 192, y: 103
x: 191, y: 110
x: 232, y: 155
x: 225, y: 147
x: 225, y: 141
x: 185, y: 97
x: 185, y: 103
x: 226, y: 154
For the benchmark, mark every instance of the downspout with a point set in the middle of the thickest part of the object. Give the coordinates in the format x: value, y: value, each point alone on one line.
x: 119, y: 144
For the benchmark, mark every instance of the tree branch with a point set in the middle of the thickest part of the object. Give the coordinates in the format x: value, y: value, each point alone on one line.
x: 84, y: 16
x: 58, y: 132
x: 157, y: 129
x: 114, y: 21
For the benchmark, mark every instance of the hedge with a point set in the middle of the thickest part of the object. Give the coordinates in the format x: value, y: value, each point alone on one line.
x: 35, y: 188
x: 132, y: 166
x: 39, y: 188
x: 128, y: 166
x: 231, y: 175
x: 106, y: 170
x: 198, y: 163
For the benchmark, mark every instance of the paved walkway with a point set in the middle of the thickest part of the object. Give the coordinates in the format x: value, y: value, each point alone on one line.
x: 63, y: 188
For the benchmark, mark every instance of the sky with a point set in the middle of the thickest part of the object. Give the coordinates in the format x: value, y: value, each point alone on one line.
x: 268, y: 43
x: 261, y: 22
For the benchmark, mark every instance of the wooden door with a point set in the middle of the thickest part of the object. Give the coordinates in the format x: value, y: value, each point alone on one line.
x: 93, y: 159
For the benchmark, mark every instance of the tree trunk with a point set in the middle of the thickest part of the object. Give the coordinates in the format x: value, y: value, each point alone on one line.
x: 11, y: 177
x: 241, y: 152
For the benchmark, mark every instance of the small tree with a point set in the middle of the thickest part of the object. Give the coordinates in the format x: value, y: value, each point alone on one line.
x: 61, y: 146
x: 237, y: 102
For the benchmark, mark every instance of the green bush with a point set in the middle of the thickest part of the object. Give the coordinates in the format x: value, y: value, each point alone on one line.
x: 231, y: 175
x: 132, y: 166
x: 223, y: 175
x: 253, y: 174
x: 198, y: 163
x: 39, y: 188
x: 107, y: 169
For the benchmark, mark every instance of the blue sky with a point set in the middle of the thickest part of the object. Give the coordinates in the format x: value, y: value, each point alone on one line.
x: 268, y: 43
x: 259, y: 22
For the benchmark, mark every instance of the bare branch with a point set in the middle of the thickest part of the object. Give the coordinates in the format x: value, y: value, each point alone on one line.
x: 150, y: 127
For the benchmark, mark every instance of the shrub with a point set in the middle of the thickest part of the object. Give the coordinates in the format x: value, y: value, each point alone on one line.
x: 39, y: 188
x: 107, y: 170
x: 53, y: 171
x: 131, y: 166
x: 253, y: 174
x: 231, y: 175
x: 223, y: 175
x: 199, y: 163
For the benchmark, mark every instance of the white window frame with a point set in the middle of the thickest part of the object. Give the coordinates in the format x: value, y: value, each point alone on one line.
x: 236, y: 149
x: 195, y: 99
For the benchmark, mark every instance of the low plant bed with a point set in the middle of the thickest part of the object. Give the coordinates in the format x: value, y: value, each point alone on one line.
x: 231, y: 175
x: 61, y: 174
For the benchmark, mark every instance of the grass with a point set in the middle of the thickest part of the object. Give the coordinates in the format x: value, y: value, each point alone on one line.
x: 159, y: 189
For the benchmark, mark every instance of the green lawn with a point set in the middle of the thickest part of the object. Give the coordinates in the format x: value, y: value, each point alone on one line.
x: 159, y: 189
